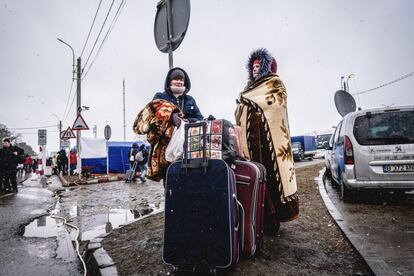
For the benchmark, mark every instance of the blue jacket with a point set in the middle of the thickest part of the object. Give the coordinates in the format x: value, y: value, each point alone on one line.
x: 185, y: 103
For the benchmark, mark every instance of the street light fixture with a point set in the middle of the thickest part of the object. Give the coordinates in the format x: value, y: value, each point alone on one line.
x: 73, y: 57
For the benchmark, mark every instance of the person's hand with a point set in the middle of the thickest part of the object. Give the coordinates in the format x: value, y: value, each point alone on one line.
x: 15, y: 153
x: 176, y: 120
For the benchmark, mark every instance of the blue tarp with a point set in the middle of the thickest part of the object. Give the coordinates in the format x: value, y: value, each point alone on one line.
x: 118, y: 158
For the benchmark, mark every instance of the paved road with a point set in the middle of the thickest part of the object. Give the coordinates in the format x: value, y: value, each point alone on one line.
x: 30, y: 256
x: 385, y: 221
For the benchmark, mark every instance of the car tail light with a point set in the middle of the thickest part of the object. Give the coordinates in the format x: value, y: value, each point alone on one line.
x: 348, y: 151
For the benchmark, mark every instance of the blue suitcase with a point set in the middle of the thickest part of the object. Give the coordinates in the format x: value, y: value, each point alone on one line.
x: 202, y: 230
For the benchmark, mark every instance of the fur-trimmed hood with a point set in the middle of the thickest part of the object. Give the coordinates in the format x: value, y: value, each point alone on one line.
x: 187, y: 82
x: 266, y: 61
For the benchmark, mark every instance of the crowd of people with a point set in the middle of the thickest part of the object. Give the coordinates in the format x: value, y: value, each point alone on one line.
x: 64, y: 164
x: 15, y: 164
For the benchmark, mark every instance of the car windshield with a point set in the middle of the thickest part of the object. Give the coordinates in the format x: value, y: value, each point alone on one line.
x: 385, y: 128
x: 295, y: 146
x: 322, y: 140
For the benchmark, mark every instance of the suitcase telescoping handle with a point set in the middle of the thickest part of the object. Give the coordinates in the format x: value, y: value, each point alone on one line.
x: 197, y: 162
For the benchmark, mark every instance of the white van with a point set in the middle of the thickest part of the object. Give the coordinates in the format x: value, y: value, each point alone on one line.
x: 374, y: 149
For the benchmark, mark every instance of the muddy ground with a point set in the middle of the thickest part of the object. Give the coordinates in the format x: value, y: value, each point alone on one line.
x: 92, y: 207
x: 311, y: 244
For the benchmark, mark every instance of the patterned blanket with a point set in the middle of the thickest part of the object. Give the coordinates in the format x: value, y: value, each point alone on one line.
x: 262, y: 115
x: 154, y: 121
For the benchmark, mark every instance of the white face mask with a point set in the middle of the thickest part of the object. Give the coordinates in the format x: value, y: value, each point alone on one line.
x: 177, y: 90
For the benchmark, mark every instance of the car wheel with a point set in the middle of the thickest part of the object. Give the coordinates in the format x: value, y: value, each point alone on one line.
x: 328, y: 173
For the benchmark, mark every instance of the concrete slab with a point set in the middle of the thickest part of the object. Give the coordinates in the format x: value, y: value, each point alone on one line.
x: 102, y: 258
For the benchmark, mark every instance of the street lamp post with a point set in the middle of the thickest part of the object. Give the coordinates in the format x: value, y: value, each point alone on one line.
x: 73, y: 57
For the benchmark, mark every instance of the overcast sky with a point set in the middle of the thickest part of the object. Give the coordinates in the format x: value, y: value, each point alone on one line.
x: 314, y: 43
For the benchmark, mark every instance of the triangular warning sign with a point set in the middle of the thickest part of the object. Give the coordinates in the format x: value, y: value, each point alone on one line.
x: 68, y: 134
x: 80, y: 124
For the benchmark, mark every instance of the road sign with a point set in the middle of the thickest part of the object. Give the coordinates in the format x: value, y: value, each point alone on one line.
x: 180, y: 17
x: 62, y: 134
x: 80, y: 124
x: 41, y: 137
x: 65, y: 144
x: 68, y: 134
x: 107, y: 132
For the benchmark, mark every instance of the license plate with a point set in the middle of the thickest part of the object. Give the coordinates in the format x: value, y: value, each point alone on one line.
x: 398, y: 168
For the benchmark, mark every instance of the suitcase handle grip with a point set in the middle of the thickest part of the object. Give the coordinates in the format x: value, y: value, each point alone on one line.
x: 203, y: 163
x: 241, y: 222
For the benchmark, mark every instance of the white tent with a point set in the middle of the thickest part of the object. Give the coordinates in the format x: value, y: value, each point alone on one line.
x: 93, y: 148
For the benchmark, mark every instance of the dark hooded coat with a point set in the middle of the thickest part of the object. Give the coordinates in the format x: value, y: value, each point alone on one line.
x: 185, y: 103
x: 9, y: 161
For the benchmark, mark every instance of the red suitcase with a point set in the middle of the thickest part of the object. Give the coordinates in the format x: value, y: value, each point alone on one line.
x: 251, y: 190
x: 261, y: 204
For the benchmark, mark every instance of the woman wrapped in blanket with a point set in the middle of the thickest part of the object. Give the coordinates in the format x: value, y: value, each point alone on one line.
x: 262, y: 115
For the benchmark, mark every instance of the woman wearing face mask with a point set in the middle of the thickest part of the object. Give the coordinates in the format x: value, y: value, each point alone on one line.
x: 166, y: 110
x: 176, y: 88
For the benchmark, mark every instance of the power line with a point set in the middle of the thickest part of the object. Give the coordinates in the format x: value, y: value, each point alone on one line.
x: 17, y: 128
x: 90, y: 30
x: 67, y: 101
x: 71, y: 104
x: 386, y: 84
x: 114, y: 20
x: 99, y: 34
x: 26, y: 133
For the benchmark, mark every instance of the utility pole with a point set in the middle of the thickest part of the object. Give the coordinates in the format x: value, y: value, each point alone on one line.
x: 78, y: 112
x: 60, y: 131
x: 123, y: 93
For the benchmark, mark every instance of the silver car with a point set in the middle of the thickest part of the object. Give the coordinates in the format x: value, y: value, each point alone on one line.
x: 374, y: 149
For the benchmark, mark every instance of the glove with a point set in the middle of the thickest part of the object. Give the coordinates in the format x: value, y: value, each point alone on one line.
x: 176, y: 120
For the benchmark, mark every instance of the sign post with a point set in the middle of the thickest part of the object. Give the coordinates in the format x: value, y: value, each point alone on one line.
x: 79, y: 125
x: 42, y: 141
x: 107, y: 133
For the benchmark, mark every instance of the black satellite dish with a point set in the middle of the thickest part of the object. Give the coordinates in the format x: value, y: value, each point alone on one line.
x: 344, y: 102
x: 180, y: 17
